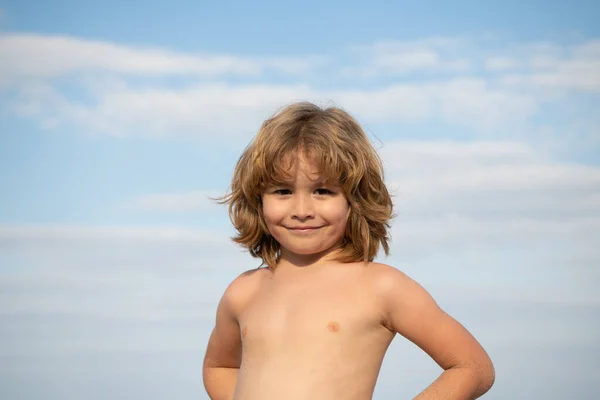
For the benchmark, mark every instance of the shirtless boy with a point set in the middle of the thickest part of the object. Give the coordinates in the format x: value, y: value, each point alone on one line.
x: 308, y: 198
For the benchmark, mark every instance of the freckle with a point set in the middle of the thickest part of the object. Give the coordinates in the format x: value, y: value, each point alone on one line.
x: 333, y: 327
x: 244, y: 331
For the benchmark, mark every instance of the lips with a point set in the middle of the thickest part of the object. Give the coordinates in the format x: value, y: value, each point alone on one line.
x: 303, y: 229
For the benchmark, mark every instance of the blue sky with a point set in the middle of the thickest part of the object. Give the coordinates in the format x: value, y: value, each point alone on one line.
x: 117, y: 120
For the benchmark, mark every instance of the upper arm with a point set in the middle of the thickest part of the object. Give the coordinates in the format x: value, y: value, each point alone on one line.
x: 224, y: 346
x: 411, y: 311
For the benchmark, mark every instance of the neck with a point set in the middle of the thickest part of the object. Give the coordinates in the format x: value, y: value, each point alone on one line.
x: 293, y: 260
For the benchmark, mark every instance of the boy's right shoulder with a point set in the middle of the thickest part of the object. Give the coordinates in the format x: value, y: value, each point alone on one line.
x: 248, y: 279
x: 241, y: 290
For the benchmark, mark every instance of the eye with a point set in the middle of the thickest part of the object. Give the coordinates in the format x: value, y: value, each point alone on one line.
x: 323, y: 191
x: 283, y: 192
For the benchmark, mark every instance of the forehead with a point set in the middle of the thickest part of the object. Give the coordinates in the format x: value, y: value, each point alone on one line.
x: 300, y: 164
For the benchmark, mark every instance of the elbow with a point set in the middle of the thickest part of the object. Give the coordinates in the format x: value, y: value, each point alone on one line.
x: 480, y: 377
x: 486, y: 377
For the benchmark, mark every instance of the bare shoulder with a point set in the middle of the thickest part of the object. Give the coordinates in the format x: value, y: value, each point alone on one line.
x: 381, y: 272
x: 398, y: 294
x: 385, y: 279
x: 243, y: 288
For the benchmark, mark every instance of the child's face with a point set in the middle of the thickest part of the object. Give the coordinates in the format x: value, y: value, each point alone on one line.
x: 306, y: 216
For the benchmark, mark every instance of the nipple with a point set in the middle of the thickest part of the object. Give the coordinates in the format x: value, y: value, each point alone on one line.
x: 333, y: 327
x: 244, y: 331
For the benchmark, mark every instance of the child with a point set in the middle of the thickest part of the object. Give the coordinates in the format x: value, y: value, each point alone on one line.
x: 308, y: 198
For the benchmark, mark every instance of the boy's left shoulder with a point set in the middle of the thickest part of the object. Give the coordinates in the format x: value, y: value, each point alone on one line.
x: 401, y: 299
x: 384, y: 277
x: 396, y: 291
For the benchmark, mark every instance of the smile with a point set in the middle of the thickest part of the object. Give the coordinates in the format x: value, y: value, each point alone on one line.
x: 304, y: 229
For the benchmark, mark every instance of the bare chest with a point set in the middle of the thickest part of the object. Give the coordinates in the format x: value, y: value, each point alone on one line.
x: 308, y: 316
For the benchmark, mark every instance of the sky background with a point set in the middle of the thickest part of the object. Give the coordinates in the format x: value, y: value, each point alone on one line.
x: 119, y: 119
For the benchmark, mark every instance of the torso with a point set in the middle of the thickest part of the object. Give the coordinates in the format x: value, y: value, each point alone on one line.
x: 313, y: 334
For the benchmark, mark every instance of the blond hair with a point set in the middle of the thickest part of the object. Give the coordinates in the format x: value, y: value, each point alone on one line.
x: 337, y: 143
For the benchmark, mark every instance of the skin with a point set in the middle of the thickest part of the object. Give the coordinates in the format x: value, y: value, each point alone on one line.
x: 313, y: 328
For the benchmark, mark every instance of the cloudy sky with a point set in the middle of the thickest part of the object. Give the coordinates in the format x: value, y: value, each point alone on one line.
x: 119, y: 119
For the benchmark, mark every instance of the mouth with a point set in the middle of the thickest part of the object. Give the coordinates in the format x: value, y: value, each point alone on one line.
x: 304, y: 229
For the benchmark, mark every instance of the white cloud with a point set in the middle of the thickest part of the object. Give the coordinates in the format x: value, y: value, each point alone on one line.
x: 441, y: 166
x: 121, y: 273
x: 207, y: 109
x: 200, y: 109
x: 109, y: 233
x: 582, y: 75
x: 573, y: 67
x: 401, y: 58
x: 399, y: 63
x: 201, y: 201
x: 499, y: 63
x: 461, y: 96
x: 452, y: 196
x: 469, y: 102
x: 37, y: 56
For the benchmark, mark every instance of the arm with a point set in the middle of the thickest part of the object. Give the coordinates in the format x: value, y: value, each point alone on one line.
x: 224, y: 352
x: 412, y: 312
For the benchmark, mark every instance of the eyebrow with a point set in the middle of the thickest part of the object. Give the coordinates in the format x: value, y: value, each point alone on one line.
x: 321, y: 182
x: 326, y: 183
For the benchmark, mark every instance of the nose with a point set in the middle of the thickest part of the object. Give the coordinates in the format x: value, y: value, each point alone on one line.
x: 303, y: 207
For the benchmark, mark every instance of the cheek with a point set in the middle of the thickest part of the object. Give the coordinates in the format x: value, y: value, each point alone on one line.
x: 272, y: 211
x: 339, y: 212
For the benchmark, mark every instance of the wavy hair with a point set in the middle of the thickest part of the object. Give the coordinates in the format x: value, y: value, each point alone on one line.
x: 336, y: 142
